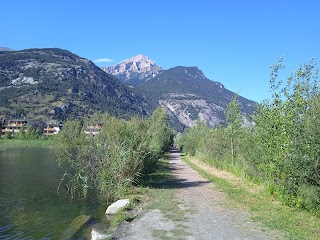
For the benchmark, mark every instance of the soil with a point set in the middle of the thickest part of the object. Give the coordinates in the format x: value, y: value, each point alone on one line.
x: 208, y: 215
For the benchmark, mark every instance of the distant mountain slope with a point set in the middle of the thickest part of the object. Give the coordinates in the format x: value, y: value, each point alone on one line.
x: 3, y: 49
x: 54, y: 83
x: 190, y: 96
x: 134, y: 70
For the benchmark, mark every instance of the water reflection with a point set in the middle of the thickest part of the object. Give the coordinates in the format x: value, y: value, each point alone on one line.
x: 29, y: 205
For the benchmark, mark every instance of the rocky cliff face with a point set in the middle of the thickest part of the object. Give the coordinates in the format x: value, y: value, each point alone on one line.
x: 134, y: 70
x: 188, y: 95
x: 189, y: 109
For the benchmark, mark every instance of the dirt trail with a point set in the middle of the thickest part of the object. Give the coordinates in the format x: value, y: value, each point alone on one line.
x: 207, y: 216
x: 211, y: 220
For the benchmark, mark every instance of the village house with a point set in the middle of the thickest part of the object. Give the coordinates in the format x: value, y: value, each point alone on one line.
x: 51, y: 129
x: 15, y: 125
x: 93, y: 129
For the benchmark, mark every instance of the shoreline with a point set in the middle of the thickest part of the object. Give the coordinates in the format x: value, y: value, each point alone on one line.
x: 6, y: 144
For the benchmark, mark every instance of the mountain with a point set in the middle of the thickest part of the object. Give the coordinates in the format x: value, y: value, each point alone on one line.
x: 134, y: 70
x: 55, y: 83
x: 188, y: 95
x: 3, y: 49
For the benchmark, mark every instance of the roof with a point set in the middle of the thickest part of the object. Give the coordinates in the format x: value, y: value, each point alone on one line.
x: 27, y: 121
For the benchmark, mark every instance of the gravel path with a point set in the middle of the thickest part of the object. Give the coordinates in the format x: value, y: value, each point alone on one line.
x: 211, y: 220
x: 207, y: 215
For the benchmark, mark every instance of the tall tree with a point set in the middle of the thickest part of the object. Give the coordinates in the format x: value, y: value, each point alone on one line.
x: 233, y: 119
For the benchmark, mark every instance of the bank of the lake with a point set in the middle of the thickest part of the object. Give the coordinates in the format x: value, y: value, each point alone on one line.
x: 6, y: 144
x: 29, y: 204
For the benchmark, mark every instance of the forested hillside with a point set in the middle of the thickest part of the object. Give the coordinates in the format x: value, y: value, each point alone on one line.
x: 54, y: 83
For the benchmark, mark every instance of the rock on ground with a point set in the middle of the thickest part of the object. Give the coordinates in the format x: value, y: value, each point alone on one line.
x: 143, y: 227
x: 116, y: 206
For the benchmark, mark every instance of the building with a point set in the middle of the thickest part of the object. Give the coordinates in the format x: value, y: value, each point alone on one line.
x: 15, y: 125
x: 93, y: 129
x: 51, y: 129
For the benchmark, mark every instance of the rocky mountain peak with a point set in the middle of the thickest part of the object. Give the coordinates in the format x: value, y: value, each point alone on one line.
x: 134, y: 70
x: 138, y: 63
x: 140, y: 58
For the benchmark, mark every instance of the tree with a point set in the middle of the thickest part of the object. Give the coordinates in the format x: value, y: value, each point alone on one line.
x: 233, y: 119
x: 286, y: 132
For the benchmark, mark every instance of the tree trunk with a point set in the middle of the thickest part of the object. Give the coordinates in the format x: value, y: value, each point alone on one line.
x: 232, y: 151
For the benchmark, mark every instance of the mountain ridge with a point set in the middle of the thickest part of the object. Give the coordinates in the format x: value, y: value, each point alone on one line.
x: 55, y: 83
x: 186, y: 93
x: 4, y: 49
x: 190, y: 96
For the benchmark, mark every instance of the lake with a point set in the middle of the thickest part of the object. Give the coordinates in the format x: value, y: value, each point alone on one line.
x: 30, y: 207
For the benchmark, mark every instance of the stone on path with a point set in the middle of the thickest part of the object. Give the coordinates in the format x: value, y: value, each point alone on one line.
x: 115, y: 207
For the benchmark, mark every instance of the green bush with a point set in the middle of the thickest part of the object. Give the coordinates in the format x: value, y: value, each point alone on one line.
x: 114, y: 159
x: 29, y: 133
x: 7, y: 135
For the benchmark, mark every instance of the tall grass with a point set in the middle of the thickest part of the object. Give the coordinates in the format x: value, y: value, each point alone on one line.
x: 116, y: 158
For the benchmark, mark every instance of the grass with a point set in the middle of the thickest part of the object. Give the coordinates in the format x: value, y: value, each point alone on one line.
x: 13, y: 143
x: 162, y: 196
x: 125, y: 214
x: 296, y: 223
x: 120, y: 216
x: 162, y: 193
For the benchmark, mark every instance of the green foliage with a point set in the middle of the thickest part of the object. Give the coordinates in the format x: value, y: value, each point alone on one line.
x: 233, y: 119
x: 8, y: 144
x: 28, y: 133
x: 7, y: 135
x: 158, y: 134
x: 285, y: 133
x: 210, y: 144
x: 114, y: 159
x: 282, y: 149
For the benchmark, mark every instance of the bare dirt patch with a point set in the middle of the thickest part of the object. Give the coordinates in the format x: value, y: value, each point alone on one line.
x: 248, y: 186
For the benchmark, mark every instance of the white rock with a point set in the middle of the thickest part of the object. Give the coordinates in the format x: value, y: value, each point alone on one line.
x: 115, y: 207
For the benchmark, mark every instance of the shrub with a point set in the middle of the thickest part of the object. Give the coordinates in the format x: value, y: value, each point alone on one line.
x: 114, y: 159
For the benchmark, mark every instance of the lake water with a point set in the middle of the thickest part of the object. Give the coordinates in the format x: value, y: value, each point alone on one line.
x: 30, y: 207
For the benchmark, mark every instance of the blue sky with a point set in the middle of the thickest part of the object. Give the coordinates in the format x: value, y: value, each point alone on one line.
x: 232, y: 42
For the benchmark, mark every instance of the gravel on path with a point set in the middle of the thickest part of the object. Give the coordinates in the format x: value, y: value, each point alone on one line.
x: 207, y: 215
